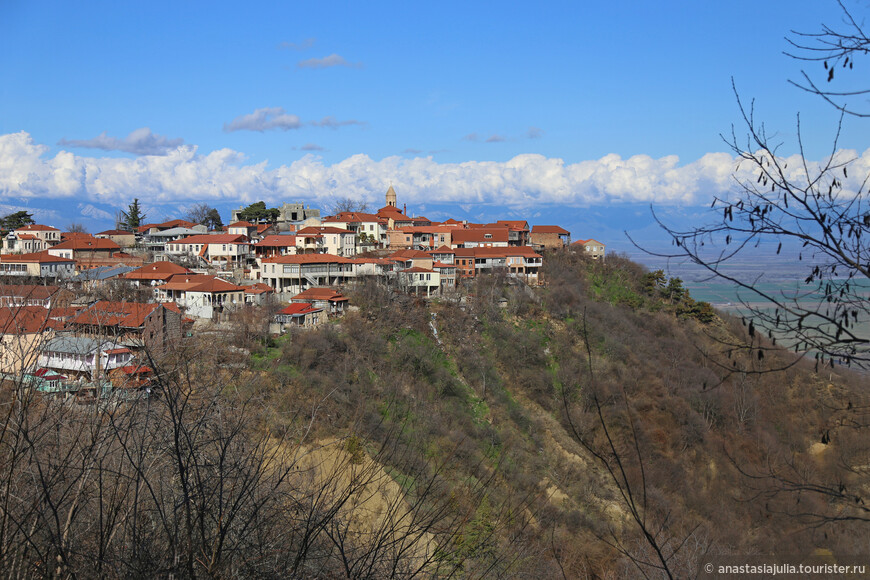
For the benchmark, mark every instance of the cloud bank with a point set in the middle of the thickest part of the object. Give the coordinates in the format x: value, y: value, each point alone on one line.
x: 139, y: 142
x: 524, y: 182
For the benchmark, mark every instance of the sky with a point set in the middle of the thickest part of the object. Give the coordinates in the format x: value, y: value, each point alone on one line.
x: 581, y: 114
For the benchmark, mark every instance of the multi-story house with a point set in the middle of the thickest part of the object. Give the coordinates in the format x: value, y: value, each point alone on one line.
x: 275, y: 245
x: 202, y: 296
x: 228, y: 248
x: 296, y: 273
x: 591, y: 248
x: 550, y: 237
x: 36, y: 265
x: 368, y: 227
x: 154, y: 327
x: 83, y: 356
x: 521, y: 262
x: 481, y: 237
x: 335, y: 241
x: 34, y: 295
x: 156, y: 240
x: 84, y: 248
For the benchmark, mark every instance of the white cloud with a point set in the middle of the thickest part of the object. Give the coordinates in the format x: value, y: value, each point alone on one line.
x: 496, y: 138
x: 276, y: 118
x: 327, y: 62
x: 526, y: 181
x: 139, y: 142
x: 263, y: 120
x: 311, y: 147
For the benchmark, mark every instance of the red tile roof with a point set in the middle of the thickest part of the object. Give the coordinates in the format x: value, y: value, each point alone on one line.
x: 37, y: 228
x: 88, y: 244
x: 353, y: 217
x: 200, y: 283
x: 123, y: 314
x: 549, y: 230
x: 277, y: 241
x: 258, y: 288
x: 321, y: 294
x: 117, y: 350
x: 213, y: 239
x: 26, y: 320
x: 36, y: 257
x: 499, y: 234
x: 300, y: 308
x: 241, y: 224
x: 33, y: 291
x: 517, y: 225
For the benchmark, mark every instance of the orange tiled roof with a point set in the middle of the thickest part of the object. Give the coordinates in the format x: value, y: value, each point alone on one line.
x: 549, y: 230
x: 321, y: 294
x: 35, y: 257
x: 37, y: 228
x: 300, y: 308
x: 258, y: 288
x: 26, y: 320
x: 34, y: 291
x: 124, y: 314
x: 276, y: 241
x: 200, y: 283
x: 213, y: 239
x: 88, y: 244
x: 499, y: 234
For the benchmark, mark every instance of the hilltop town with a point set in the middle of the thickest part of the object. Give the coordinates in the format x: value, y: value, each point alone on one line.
x: 84, y: 314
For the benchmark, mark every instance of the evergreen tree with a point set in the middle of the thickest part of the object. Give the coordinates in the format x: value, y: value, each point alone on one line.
x: 258, y: 212
x: 132, y: 218
x: 16, y: 220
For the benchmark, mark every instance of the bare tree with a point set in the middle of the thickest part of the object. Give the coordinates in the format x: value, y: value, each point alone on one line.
x: 835, y: 48
x: 813, y: 209
x: 339, y: 205
x: 202, y: 213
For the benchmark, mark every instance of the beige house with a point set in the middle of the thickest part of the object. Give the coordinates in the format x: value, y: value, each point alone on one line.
x: 23, y: 329
x: 123, y: 238
x: 37, y: 265
x: 231, y: 248
x: 591, y: 248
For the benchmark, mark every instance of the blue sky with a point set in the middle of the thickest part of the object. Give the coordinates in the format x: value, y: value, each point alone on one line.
x: 578, y: 113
